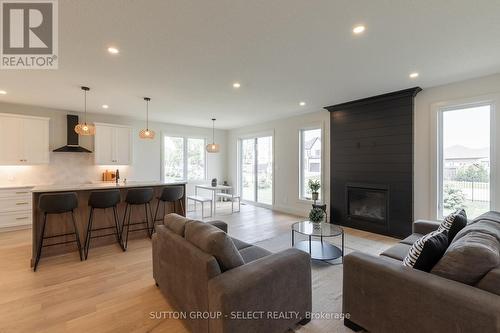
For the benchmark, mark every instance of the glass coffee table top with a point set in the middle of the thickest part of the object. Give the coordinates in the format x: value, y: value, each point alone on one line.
x: 317, y: 229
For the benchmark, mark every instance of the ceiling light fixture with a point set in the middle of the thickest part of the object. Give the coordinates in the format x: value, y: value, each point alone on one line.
x: 358, y: 29
x: 236, y: 85
x: 113, y: 50
x: 302, y: 103
x: 105, y: 106
x: 413, y: 75
x: 147, y: 133
x: 213, y: 147
x: 85, y: 129
x: 3, y: 92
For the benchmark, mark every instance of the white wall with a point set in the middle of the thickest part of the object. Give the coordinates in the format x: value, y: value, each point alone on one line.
x: 286, y: 157
x: 73, y: 168
x: 426, y: 134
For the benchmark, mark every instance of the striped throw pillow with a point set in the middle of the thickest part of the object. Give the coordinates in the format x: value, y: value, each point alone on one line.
x: 427, y: 251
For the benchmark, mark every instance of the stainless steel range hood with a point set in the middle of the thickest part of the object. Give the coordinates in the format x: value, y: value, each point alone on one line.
x: 72, y: 143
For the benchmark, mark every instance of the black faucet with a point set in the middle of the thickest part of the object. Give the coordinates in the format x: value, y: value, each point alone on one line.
x: 117, y: 176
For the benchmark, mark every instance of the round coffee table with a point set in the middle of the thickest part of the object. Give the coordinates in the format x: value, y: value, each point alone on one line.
x: 318, y: 249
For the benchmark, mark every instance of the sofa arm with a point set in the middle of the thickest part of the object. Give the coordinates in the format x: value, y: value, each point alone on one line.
x: 219, y: 224
x: 276, y: 284
x: 381, y: 295
x: 423, y: 227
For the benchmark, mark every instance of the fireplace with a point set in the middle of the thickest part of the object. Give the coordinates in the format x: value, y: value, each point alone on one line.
x: 367, y: 202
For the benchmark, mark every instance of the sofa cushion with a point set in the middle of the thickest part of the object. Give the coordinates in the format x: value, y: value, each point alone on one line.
x: 491, y: 281
x: 427, y: 251
x: 214, y: 241
x: 253, y: 252
x: 453, y: 223
x: 176, y: 223
x: 469, y: 258
x: 240, y: 244
x: 398, y: 251
x: 411, y: 239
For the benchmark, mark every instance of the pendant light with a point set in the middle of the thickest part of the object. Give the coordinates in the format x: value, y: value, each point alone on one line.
x: 213, y: 147
x: 147, y: 133
x: 84, y: 128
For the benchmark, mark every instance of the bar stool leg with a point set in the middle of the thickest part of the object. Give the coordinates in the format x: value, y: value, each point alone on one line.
x: 40, y: 244
x: 149, y: 229
x: 117, y: 228
x: 76, y: 235
x: 156, y: 212
x: 89, y: 233
x: 126, y: 225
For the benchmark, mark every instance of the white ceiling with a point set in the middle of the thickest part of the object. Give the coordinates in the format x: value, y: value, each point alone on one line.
x: 185, y: 55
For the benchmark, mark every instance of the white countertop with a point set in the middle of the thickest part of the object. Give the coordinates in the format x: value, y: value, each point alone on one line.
x: 99, y: 186
x: 11, y: 187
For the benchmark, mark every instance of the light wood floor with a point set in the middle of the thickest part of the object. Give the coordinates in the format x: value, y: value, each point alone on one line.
x: 113, y: 291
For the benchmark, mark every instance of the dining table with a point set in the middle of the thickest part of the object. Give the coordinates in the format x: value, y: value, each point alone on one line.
x: 214, y: 190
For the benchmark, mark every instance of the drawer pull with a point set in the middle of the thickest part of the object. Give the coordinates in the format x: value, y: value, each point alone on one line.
x: 22, y: 218
x: 21, y: 203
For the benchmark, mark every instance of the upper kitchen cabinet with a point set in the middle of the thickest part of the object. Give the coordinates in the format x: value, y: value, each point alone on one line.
x: 24, y: 140
x: 113, y: 144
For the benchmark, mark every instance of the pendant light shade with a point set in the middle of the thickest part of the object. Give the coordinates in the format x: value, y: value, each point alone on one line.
x: 213, y: 147
x: 84, y: 128
x: 146, y: 133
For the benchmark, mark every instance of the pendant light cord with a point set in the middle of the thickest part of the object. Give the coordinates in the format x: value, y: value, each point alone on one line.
x: 213, y: 131
x: 147, y: 115
x: 85, y: 106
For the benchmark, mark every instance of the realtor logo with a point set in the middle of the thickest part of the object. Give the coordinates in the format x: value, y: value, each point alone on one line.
x: 29, y: 37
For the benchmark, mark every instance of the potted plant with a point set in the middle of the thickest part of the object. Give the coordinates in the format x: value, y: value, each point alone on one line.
x: 314, y: 186
x: 316, y: 215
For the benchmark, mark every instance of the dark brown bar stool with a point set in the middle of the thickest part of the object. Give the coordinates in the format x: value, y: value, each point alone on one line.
x: 103, y: 200
x: 169, y: 194
x: 137, y: 197
x: 57, y: 203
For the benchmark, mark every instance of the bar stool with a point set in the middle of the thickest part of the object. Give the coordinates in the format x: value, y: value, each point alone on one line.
x: 103, y: 200
x: 169, y: 194
x: 137, y: 197
x: 57, y: 203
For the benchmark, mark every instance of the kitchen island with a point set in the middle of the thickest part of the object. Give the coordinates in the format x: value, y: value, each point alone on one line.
x: 60, y: 223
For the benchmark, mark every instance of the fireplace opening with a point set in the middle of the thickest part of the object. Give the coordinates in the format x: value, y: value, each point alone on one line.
x: 367, y: 202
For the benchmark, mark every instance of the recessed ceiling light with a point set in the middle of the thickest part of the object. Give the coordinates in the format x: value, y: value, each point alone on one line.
x: 105, y: 106
x: 358, y: 29
x: 3, y: 92
x: 302, y: 103
x: 413, y: 75
x: 113, y: 50
x: 236, y: 85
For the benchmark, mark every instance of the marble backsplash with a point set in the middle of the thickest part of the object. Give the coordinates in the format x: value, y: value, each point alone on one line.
x: 64, y: 168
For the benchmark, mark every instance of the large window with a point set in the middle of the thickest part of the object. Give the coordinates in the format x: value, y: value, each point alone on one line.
x: 256, y: 169
x: 464, y: 160
x: 310, y: 160
x: 184, y: 158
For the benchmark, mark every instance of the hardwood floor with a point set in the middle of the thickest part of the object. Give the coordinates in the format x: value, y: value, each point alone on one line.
x: 113, y: 291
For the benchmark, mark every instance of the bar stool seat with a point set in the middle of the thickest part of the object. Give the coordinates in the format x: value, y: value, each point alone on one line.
x: 103, y: 200
x: 137, y: 197
x: 57, y: 203
x: 171, y: 194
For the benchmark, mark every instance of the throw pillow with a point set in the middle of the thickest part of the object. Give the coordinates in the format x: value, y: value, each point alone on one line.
x: 216, y: 242
x: 427, y: 251
x: 469, y: 258
x: 453, y: 223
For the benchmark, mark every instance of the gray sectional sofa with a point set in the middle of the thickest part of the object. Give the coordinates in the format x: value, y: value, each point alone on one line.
x: 239, y: 286
x: 381, y: 295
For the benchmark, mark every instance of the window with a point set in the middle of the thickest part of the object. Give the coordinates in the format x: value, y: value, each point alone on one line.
x: 256, y: 169
x: 184, y: 158
x: 310, y: 160
x: 464, y: 160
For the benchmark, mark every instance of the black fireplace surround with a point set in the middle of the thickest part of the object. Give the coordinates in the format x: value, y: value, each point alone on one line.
x: 371, y: 166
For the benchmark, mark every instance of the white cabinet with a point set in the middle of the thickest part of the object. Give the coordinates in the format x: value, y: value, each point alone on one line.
x: 113, y: 144
x: 15, y: 208
x: 24, y: 140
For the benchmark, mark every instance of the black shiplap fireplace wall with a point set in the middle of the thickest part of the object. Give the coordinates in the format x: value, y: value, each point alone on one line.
x: 372, y: 143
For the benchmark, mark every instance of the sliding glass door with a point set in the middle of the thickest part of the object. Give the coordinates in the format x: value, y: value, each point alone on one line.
x: 256, y: 169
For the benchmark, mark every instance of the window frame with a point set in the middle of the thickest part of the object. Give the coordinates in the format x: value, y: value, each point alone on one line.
x: 317, y: 126
x: 440, y: 109
x: 184, y: 157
